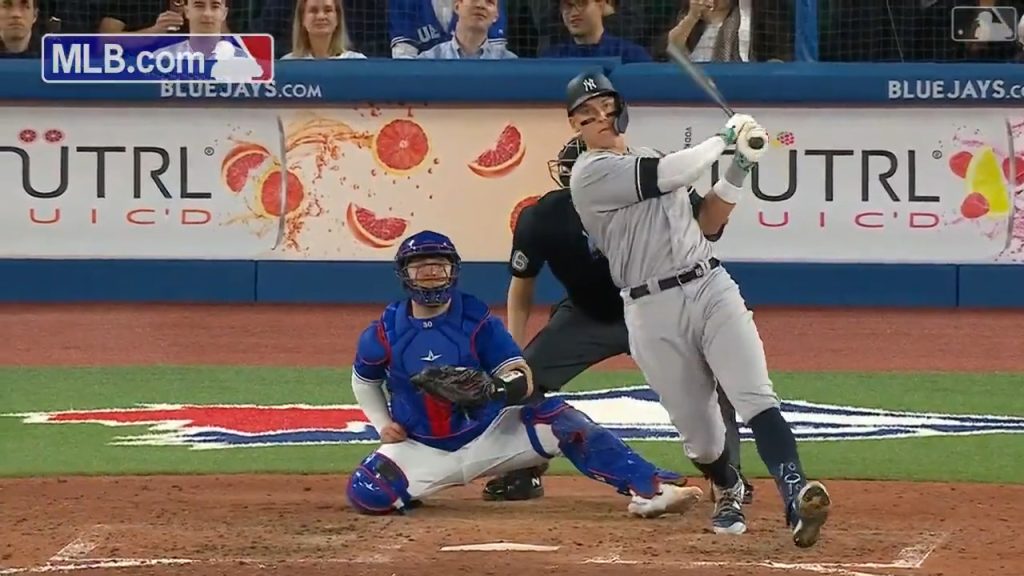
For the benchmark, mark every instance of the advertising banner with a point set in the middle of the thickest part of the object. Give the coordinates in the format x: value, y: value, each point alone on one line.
x: 837, y: 185
x: 866, y: 185
x: 192, y: 183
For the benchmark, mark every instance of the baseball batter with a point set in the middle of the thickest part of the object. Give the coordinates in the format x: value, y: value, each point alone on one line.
x: 453, y: 376
x: 688, y: 324
x: 587, y: 326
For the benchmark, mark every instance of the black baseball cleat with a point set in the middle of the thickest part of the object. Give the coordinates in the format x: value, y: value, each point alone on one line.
x: 516, y: 485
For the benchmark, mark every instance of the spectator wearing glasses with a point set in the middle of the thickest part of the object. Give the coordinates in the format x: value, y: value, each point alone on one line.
x: 17, y: 17
x: 584, y: 19
x: 475, y: 18
x: 417, y: 25
x: 319, y: 31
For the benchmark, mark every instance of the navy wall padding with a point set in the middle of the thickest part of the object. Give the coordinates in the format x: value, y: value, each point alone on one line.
x: 993, y: 286
x: 127, y: 281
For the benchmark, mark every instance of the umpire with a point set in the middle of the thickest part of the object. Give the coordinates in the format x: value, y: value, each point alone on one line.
x: 586, y: 327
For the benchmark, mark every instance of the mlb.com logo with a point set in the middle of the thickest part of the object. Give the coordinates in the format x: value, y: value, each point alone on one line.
x: 157, y: 58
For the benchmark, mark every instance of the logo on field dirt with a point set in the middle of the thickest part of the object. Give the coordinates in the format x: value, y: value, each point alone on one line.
x: 633, y: 413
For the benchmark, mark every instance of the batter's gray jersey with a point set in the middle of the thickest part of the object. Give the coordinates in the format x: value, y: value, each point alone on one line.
x: 644, y: 234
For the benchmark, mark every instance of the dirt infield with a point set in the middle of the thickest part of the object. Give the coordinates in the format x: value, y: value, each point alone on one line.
x: 299, y: 525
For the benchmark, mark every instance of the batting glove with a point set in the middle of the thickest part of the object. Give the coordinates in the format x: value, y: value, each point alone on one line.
x: 747, y: 133
x: 734, y: 126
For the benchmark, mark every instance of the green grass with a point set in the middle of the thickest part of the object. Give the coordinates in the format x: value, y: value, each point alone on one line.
x: 29, y: 450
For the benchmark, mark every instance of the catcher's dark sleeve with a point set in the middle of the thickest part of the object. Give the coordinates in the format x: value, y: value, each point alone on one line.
x: 695, y: 201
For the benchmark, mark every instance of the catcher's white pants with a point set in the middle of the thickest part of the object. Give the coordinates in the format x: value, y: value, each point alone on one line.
x: 505, y: 446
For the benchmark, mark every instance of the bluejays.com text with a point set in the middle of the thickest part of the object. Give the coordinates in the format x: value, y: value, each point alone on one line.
x: 268, y: 90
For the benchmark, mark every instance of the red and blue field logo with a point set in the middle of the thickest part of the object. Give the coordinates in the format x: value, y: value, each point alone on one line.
x: 158, y: 58
x: 632, y: 413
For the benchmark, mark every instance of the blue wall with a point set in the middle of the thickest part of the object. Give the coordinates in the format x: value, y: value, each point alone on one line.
x: 847, y: 285
x: 527, y: 82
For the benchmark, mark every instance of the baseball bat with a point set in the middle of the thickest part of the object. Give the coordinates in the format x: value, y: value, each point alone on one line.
x: 1011, y: 183
x: 707, y: 85
x: 281, y: 223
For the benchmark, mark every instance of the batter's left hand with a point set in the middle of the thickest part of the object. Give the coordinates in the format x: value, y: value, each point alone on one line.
x: 748, y: 132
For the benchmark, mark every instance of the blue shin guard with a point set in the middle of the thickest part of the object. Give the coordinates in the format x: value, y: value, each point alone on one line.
x: 594, y: 450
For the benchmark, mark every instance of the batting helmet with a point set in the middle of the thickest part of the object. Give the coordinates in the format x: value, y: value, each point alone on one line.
x: 560, y: 169
x: 591, y: 85
x: 427, y: 244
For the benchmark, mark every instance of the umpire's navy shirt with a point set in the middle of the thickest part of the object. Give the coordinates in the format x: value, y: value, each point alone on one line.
x: 607, y: 47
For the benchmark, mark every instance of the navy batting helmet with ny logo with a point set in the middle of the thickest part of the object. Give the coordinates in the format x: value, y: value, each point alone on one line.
x: 591, y: 85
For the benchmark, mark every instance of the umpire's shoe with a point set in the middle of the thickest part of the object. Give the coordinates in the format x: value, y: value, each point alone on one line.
x: 516, y: 485
x: 808, y: 514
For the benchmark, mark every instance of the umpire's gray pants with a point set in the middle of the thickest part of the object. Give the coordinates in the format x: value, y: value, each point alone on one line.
x: 572, y: 341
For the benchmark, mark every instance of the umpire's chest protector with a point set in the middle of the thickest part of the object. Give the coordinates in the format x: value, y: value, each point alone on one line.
x: 415, y: 344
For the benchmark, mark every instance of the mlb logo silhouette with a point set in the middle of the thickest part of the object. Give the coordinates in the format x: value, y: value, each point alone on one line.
x: 984, y: 24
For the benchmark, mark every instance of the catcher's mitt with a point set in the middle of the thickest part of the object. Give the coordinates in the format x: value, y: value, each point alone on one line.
x: 459, y: 385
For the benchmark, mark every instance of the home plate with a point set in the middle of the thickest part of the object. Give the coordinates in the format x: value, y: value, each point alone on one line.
x: 499, y: 547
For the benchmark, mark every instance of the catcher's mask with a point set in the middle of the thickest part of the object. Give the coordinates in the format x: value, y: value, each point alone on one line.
x: 428, y: 266
x: 560, y: 169
x: 591, y: 85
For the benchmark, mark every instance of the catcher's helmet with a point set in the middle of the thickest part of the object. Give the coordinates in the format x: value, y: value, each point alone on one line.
x: 591, y: 85
x: 560, y: 169
x: 427, y: 244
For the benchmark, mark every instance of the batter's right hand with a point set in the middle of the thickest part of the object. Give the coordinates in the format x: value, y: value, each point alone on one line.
x: 392, y: 433
x: 732, y: 129
x: 743, y: 147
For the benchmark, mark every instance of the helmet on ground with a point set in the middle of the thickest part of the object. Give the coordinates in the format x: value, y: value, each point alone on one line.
x: 427, y: 244
x: 591, y: 85
x: 560, y: 169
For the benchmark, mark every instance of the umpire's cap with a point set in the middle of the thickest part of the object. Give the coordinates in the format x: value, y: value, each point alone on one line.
x: 591, y: 85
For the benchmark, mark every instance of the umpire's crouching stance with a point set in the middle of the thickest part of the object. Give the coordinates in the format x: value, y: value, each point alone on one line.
x: 586, y: 327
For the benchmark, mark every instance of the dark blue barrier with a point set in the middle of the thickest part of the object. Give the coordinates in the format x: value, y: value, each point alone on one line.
x: 992, y: 286
x: 375, y: 282
x: 543, y: 82
x: 127, y: 281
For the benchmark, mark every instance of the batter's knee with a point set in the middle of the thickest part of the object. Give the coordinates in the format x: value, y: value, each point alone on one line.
x: 378, y: 486
x: 749, y: 405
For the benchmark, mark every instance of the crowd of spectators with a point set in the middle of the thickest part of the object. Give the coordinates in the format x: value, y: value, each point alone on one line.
x: 635, y: 30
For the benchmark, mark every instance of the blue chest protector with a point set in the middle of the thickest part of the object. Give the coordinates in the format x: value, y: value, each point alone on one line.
x: 415, y: 344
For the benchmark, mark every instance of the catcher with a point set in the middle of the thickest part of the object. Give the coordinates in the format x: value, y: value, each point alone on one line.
x: 453, y: 377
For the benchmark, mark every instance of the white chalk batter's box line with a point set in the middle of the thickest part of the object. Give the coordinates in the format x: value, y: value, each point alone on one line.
x: 73, y: 557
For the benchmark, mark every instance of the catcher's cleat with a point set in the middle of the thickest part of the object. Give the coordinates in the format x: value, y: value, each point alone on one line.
x: 808, y: 514
x: 728, y: 517
x: 748, y: 491
x: 516, y: 485
x: 671, y: 499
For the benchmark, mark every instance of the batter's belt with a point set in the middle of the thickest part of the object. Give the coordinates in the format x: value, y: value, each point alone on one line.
x: 675, y: 281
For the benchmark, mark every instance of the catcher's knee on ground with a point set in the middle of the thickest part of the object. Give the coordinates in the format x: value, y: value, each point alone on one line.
x: 593, y: 450
x: 378, y: 486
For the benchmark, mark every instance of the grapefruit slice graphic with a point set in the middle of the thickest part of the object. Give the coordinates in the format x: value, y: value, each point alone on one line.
x: 270, y: 192
x: 400, y: 146
x: 518, y: 209
x: 958, y: 163
x: 507, y: 153
x: 985, y: 176
x: 974, y: 206
x: 373, y: 231
x: 239, y: 163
